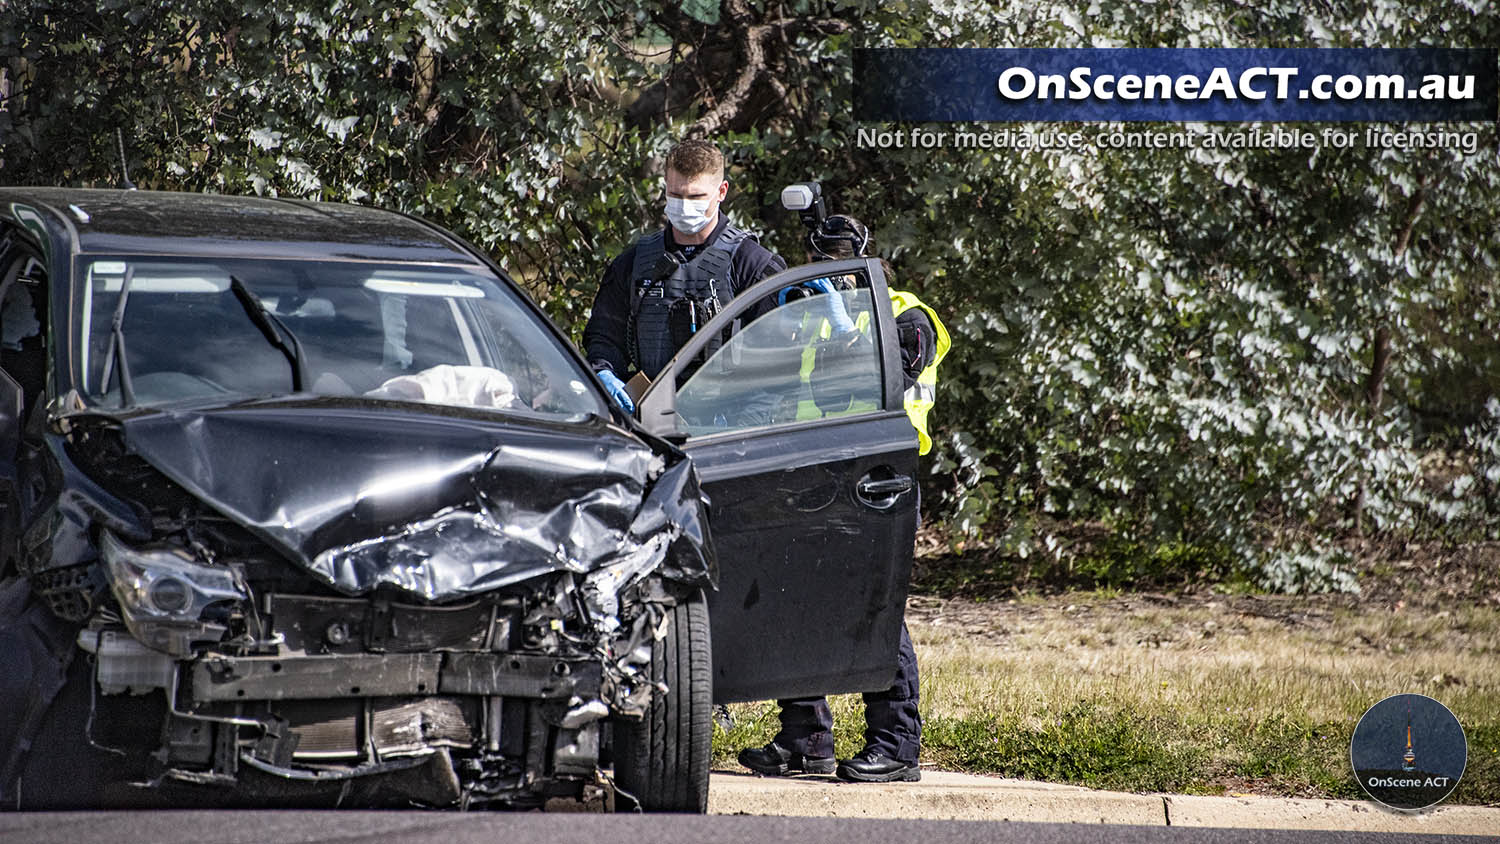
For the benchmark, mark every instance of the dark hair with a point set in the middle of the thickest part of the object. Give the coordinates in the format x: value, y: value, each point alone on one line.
x: 840, y: 236
x: 837, y: 248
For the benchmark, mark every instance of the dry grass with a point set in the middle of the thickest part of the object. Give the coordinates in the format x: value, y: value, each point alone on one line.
x: 1205, y: 659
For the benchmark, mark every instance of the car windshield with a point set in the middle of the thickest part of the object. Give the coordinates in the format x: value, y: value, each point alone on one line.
x: 446, y: 335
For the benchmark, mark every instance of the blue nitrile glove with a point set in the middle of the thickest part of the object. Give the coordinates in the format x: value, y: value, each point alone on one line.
x: 616, y: 389
x: 833, y: 305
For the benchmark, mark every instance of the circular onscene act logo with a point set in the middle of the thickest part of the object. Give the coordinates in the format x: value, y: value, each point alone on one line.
x: 1408, y: 752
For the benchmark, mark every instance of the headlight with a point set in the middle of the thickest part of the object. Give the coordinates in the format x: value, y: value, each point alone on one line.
x: 163, y: 593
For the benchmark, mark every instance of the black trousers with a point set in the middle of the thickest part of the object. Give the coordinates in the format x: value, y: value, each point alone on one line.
x: 892, y: 725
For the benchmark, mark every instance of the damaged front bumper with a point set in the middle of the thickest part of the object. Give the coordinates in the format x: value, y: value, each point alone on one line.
x: 227, y: 678
x: 501, y: 700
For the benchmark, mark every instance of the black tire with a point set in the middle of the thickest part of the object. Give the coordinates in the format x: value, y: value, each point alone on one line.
x: 63, y: 771
x: 662, y: 759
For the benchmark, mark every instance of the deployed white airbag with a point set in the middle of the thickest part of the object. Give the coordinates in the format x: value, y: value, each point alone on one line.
x: 468, y: 386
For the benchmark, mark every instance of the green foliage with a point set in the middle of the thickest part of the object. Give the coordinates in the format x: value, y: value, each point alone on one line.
x: 1108, y: 563
x: 1106, y: 745
x: 490, y: 118
x: 1134, y: 564
x: 1298, y: 757
x: 1479, y: 783
x: 1120, y: 748
x: 1173, y: 344
x: 1082, y: 745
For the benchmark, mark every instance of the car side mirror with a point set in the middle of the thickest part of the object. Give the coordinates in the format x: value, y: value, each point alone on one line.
x: 657, y: 412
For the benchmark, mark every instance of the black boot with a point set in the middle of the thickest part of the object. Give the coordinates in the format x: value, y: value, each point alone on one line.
x: 874, y: 766
x: 773, y: 760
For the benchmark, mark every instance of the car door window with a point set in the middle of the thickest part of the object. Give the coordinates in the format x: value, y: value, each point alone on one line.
x: 795, y: 426
x: 23, y: 347
x: 798, y: 362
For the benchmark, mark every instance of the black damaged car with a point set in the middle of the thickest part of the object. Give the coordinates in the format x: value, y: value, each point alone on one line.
x: 307, y: 504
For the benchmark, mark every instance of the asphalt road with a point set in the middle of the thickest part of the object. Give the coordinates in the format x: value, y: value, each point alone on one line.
x: 309, y: 827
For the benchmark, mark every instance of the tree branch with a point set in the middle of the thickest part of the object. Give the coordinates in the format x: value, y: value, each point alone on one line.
x: 1380, y: 352
x: 754, y: 58
x: 1413, y: 212
x: 738, y: 52
x: 728, y: 109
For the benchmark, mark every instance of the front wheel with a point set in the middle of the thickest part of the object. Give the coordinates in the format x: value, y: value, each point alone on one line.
x: 662, y: 759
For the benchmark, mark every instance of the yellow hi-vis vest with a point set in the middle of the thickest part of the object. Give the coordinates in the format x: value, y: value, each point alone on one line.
x: 921, y: 396
x: 918, y: 399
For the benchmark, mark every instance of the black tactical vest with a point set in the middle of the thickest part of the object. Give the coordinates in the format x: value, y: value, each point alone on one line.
x: 670, y: 300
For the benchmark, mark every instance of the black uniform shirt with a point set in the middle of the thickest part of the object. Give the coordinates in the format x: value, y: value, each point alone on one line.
x: 918, y: 341
x: 604, y: 335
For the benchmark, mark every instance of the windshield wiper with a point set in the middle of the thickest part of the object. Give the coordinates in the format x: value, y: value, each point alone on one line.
x: 117, y: 345
x: 274, y: 331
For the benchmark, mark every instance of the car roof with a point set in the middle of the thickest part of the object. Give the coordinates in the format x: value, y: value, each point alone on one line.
x: 165, y: 223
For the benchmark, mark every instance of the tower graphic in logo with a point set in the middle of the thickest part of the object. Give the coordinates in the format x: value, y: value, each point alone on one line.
x: 1383, y: 752
x: 1409, y: 759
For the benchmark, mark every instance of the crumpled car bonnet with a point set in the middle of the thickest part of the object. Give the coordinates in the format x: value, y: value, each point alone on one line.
x: 438, y: 502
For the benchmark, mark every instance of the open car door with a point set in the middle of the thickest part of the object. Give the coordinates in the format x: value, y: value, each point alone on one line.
x: 801, y: 443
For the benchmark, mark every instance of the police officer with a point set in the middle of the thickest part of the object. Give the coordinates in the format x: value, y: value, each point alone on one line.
x: 893, y: 728
x: 658, y: 292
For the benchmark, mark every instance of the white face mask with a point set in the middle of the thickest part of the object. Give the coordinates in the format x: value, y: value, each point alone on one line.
x: 688, y: 216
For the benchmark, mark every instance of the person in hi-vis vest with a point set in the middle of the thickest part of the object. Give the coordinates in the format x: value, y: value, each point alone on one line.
x: 893, y: 727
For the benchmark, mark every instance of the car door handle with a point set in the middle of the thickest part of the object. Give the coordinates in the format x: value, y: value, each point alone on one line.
x: 880, y: 489
x: 881, y: 493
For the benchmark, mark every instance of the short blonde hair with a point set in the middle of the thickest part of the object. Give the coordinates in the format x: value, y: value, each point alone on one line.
x: 695, y: 157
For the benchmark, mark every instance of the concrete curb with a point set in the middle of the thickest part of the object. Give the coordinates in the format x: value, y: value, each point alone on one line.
x: 942, y: 795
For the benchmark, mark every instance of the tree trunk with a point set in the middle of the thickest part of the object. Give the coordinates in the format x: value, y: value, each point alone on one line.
x: 1379, y: 360
x: 1380, y: 354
